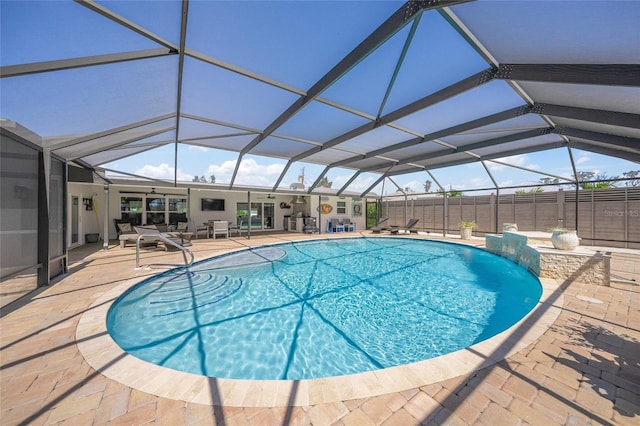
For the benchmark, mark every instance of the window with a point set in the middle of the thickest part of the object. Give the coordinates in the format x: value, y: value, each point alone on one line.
x: 177, y: 210
x: 131, y: 209
x: 155, y: 210
x: 342, y: 207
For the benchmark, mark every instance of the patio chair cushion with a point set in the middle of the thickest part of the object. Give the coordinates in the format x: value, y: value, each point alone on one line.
x: 125, y: 227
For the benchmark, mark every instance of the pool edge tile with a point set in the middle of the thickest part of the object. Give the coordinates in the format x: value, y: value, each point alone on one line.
x: 105, y: 356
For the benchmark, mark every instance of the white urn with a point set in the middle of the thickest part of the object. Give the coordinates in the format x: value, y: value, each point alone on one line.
x: 564, y: 239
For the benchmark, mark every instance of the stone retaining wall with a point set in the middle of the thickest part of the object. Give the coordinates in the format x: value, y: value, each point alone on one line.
x: 581, y: 264
x: 592, y: 268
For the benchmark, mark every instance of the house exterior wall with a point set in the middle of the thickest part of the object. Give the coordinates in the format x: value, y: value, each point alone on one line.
x: 93, y: 221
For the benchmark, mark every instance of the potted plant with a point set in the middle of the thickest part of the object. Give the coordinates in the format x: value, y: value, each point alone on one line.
x: 466, y: 228
x: 239, y: 215
x: 564, y: 239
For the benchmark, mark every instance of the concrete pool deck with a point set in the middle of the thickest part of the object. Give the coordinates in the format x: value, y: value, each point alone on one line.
x: 575, y: 359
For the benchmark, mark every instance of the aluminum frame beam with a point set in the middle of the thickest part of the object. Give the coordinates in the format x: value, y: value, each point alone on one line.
x: 604, y: 138
x: 98, y: 8
x: 118, y: 157
x: 106, y: 147
x: 318, y: 179
x: 284, y: 172
x: 543, y: 147
x: 431, y: 99
x: 598, y: 149
x: 373, y: 185
x: 598, y: 74
x: 480, y: 122
x: 613, y: 118
x: 470, y: 147
x: 109, y: 132
x: 388, y: 28
x: 87, y: 61
x: 348, y: 182
x: 183, y: 42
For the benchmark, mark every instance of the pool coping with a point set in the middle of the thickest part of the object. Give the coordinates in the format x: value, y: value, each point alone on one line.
x: 105, y: 356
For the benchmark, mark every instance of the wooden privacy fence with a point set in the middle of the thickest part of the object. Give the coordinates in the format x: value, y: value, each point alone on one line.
x: 607, y: 217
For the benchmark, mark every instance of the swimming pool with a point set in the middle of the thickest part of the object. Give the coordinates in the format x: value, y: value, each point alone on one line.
x: 321, y: 308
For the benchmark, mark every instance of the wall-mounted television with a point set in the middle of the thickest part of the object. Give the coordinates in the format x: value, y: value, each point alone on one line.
x: 212, y: 204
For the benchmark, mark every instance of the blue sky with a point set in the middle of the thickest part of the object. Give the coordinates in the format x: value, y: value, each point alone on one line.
x: 304, y: 40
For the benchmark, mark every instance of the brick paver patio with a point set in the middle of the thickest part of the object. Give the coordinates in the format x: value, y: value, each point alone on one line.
x: 584, y: 369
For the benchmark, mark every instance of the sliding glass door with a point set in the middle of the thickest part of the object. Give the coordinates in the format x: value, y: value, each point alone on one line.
x: 261, y: 215
x: 75, y: 221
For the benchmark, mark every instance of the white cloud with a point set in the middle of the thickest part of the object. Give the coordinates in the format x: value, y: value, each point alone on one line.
x: 339, y: 181
x: 199, y: 148
x: 360, y: 184
x: 480, y: 182
x: 414, y: 185
x: 249, y: 172
x: 162, y: 171
x: 583, y: 159
x: 533, y: 166
x: 519, y: 160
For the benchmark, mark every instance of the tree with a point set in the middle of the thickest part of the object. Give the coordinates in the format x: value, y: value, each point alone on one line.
x: 196, y: 178
x: 450, y: 193
x: 212, y: 178
x: 549, y: 181
x: 203, y: 179
x: 531, y: 191
x: 324, y: 182
x: 591, y: 180
x: 634, y: 175
x: 582, y: 176
x: 427, y: 185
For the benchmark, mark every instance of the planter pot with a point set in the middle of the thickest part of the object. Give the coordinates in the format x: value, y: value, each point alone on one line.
x: 91, y: 238
x: 465, y: 233
x: 565, y: 240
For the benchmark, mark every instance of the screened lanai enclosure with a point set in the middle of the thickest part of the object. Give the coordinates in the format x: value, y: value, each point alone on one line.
x: 371, y: 98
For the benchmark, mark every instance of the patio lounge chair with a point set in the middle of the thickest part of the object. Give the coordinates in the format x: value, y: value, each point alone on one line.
x: 409, y: 227
x: 152, y: 233
x: 381, y: 226
x: 126, y: 233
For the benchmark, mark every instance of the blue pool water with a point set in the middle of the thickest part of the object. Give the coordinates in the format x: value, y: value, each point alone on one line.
x: 321, y: 308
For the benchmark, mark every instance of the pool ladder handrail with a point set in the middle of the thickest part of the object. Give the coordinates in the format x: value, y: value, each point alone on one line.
x: 166, y: 240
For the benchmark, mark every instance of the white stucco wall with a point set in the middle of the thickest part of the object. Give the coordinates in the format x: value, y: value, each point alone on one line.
x: 93, y: 221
